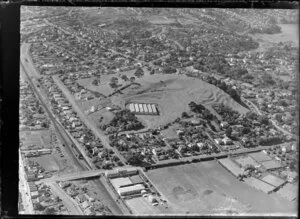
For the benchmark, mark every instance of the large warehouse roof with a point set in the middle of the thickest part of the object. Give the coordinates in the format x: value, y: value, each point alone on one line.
x: 260, y: 185
x: 231, y: 166
x: 271, y: 164
x: 122, y: 181
x: 137, y: 187
x: 289, y: 192
x: 273, y: 180
x: 260, y: 156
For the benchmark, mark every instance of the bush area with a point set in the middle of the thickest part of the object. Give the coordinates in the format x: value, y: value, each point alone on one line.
x: 124, y: 120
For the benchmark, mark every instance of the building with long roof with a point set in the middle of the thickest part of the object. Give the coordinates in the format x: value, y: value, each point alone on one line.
x: 143, y: 108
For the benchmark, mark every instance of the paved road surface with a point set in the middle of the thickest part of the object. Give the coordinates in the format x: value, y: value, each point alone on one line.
x: 273, y: 121
x: 98, y: 133
x: 29, y: 69
x: 24, y: 189
x: 70, y: 203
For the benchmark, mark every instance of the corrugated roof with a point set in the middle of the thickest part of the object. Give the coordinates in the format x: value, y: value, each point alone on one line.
x: 271, y: 164
x: 122, y: 181
x: 245, y: 161
x: 136, y: 106
x: 141, y: 108
x: 149, y: 108
x: 145, y: 108
x: 231, y: 166
x: 153, y: 108
x: 289, y: 192
x: 260, y: 156
x: 260, y: 185
x: 137, y: 187
x: 136, y: 179
x: 273, y: 180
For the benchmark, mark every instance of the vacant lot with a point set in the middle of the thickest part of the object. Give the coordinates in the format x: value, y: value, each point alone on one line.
x: 48, y: 162
x: 40, y: 138
x: 141, y: 206
x: 207, y: 188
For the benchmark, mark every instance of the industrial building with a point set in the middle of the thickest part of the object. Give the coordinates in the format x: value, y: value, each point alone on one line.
x: 121, y: 182
x: 143, y: 108
x: 273, y: 180
x: 231, y: 166
x: 131, y: 190
x: 260, y: 185
x: 121, y: 173
x: 289, y: 192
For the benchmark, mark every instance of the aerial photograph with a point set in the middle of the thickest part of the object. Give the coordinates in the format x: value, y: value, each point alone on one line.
x: 158, y: 111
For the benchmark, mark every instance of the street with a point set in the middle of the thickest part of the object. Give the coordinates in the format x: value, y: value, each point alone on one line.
x: 24, y: 189
x: 84, y: 118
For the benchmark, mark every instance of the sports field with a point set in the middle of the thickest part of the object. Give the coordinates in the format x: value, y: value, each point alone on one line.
x: 207, y: 188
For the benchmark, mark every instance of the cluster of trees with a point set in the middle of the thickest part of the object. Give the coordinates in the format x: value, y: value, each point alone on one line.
x: 139, y: 72
x: 200, y: 109
x: 169, y: 70
x: 226, y: 88
x: 124, y: 120
x: 267, y: 80
x: 271, y: 29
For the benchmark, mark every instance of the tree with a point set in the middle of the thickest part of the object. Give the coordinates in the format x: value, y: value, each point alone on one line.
x: 39, y: 207
x: 139, y: 72
x: 125, y: 78
x: 135, y: 159
x: 184, y: 115
x: 132, y: 79
x: 228, y: 131
x: 50, y: 211
x: 152, y: 72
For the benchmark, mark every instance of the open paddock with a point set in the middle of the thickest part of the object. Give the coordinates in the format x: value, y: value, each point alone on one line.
x: 207, y: 188
x: 141, y: 206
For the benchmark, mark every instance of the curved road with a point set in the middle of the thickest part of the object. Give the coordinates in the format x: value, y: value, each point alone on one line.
x: 273, y: 122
